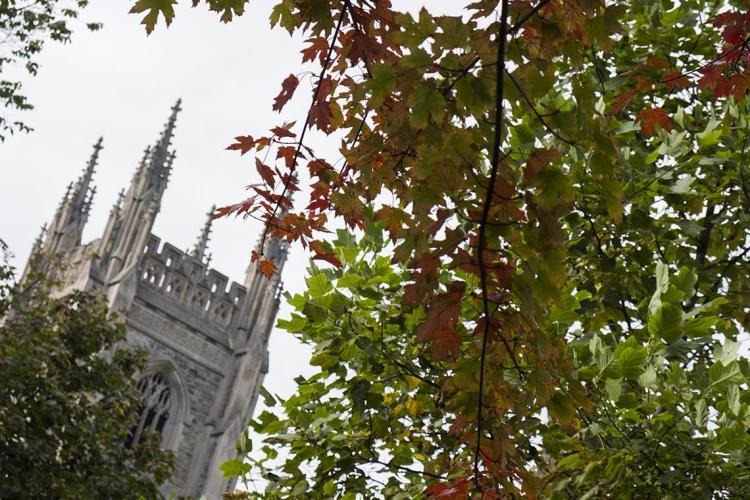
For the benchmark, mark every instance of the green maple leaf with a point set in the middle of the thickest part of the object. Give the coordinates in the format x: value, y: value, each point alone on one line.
x: 282, y: 15
x: 227, y: 8
x: 153, y: 8
x: 425, y: 103
x: 382, y: 82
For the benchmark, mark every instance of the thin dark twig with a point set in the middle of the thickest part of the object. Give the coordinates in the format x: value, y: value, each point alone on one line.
x: 306, y: 125
x: 713, y: 61
x: 499, y: 103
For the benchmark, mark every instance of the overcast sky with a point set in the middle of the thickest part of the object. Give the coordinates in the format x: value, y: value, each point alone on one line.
x: 118, y: 83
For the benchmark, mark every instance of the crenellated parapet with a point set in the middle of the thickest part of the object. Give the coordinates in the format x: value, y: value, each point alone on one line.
x: 184, y: 280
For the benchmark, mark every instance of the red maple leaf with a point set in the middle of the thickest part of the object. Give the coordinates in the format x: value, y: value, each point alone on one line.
x: 425, y: 278
x: 539, y: 161
x: 317, y: 166
x: 713, y: 79
x: 735, y: 26
x: 244, y: 144
x: 318, y: 48
x: 651, y: 117
x: 458, y: 489
x: 267, y: 267
x: 740, y: 82
x: 675, y: 79
x: 288, y: 86
x: 283, y: 132
x: 320, y: 115
x: 246, y: 207
x: 440, y: 326
x: 265, y: 172
x: 622, y: 101
x: 288, y: 153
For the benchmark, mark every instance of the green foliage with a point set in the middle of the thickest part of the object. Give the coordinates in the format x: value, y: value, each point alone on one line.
x: 665, y: 417
x: 68, y: 399
x: 375, y: 405
x: 24, y: 27
x: 566, y: 207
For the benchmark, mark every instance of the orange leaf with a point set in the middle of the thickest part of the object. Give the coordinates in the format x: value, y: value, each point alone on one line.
x: 267, y: 267
x: 318, y: 47
x: 321, y: 253
x: 651, y: 117
x: 328, y: 257
x: 244, y: 144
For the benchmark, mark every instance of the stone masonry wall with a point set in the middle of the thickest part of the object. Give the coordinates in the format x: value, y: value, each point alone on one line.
x: 201, y: 379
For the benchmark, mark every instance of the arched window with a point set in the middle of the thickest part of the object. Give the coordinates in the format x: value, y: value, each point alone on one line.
x: 157, y: 406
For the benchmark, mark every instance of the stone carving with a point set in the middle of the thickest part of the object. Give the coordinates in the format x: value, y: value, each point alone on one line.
x: 158, y: 326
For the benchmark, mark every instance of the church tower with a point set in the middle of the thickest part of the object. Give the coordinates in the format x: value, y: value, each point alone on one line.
x: 207, y: 337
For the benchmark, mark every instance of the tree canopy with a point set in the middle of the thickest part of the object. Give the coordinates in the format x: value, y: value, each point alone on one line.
x: 552, y: 278
x: 24, y: 27
x: 66, y: 409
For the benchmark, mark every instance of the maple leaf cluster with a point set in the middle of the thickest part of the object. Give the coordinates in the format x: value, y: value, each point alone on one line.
x: 523, y: 165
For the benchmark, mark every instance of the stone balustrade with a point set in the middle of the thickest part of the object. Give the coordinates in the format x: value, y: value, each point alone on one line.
x: 186, y: 281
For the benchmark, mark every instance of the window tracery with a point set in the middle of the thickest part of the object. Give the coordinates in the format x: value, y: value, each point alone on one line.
x: 157, y: 405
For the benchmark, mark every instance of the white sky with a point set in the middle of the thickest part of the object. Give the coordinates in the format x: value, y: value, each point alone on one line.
x: 120, y: 84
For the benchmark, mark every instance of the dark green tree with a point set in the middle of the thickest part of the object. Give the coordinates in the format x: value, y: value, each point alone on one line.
x: 68, y: 399
x: 24, y: 27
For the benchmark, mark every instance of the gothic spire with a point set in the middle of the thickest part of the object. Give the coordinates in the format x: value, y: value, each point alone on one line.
x: 66, y: 228
x: 201, y: 245
x: 39, y: 241
x: 81, y: 193
x: 118, y: 204
x: 133, y: 216
x: 160, y: 157
x: 160, y: 152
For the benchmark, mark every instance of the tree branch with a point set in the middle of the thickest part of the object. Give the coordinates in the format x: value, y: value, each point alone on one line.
x: 499, y: 103
x: 306, y: 125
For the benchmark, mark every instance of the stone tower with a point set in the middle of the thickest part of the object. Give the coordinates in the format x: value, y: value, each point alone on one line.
x: 207, y: 338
